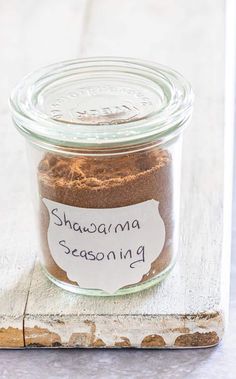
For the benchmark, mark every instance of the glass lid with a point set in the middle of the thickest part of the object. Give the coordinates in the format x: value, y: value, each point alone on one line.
x: 101, y: 102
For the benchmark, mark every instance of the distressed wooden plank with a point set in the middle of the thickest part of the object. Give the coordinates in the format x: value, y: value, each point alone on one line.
x: 32, y: 33
x: 189, y: 307
x: 132, y: 320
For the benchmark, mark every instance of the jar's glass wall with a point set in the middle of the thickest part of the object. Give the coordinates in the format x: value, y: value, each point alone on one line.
x: 103, y: 137
x: 102, y: 181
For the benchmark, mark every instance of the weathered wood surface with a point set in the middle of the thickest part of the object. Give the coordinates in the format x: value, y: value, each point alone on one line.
x: 190, y: 307
x: 31, y: 34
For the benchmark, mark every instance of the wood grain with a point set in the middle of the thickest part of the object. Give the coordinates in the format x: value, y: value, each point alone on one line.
x: 189, y: 308
x: 31, y: 34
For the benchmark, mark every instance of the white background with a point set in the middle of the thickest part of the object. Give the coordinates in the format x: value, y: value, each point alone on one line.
x: 31, y: 35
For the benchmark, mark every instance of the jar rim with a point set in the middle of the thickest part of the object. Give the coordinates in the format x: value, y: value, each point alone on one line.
x: 101, y: 102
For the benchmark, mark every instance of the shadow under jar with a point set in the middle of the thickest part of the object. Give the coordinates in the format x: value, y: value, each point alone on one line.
x: 104, y: 143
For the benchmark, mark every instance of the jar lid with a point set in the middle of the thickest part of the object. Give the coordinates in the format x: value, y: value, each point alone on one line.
x: 101, y: 102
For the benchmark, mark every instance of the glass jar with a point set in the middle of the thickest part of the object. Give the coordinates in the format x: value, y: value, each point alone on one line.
x: 104, y: 139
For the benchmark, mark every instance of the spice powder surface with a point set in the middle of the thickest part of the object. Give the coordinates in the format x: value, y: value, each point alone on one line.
x: 108, y: 182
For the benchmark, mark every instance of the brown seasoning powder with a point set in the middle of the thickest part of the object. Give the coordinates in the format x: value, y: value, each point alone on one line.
x: 108, y: 182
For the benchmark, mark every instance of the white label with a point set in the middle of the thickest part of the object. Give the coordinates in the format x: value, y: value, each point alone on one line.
x: 108, y: 248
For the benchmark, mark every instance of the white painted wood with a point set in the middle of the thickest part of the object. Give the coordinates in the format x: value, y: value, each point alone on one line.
x: 31, y: 34
x: 189, y: 36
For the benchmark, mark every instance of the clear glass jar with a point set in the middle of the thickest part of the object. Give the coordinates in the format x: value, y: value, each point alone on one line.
x: 104, y: 138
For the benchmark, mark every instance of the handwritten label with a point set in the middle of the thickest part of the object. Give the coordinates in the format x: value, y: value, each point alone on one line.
x: 108, y: 248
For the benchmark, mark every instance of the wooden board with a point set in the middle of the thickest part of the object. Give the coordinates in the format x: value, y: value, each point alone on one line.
x: 190, y: 307
x: 31, y: 35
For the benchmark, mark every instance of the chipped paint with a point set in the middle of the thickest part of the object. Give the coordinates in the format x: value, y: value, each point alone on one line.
x: 98, y: 343
x: 153, y: 341
x: 197, y: 339
x: 173, y: 331
x: 41, y: 337
x: 11, y: 337
x: 125, y: 342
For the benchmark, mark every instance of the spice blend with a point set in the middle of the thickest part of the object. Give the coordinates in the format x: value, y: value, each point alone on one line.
x: 108, y: 182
